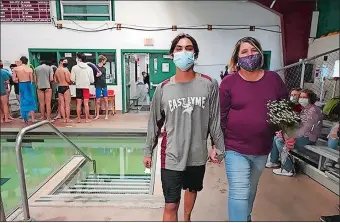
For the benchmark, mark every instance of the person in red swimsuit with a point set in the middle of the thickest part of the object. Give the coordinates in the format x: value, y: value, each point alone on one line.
x: 82, y: 75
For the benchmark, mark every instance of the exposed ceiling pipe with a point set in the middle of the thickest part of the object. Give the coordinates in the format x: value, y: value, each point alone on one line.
x: 316, y: 5
x: 273, y: 3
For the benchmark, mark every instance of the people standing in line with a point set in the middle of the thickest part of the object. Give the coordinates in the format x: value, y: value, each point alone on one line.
x: 248, y: 136
x: 23, y: 75
x: 16, y: 85
x: 101, y: 87
x: 187, y: 105
x: 54, y: 86
x: 8, y: 87
x: 44, y: 78
x: 63, y: 78
x: 4, y: 109
x: 82, y: 75
x: 96, y: 73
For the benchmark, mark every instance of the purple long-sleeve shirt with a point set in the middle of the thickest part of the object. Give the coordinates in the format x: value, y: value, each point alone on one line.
x: 244, y: 112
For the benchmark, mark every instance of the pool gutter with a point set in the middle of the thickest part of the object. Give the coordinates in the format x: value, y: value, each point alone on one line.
x: 102, y: 132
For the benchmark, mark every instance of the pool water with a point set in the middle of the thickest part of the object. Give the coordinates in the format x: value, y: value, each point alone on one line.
x: 42, y: 159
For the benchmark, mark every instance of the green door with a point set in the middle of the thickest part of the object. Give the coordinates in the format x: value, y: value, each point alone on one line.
x: 161, y: 68
x: 127, y: 82
x: 34, y: 63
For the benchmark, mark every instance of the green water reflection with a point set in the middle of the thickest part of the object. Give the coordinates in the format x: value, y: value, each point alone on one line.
x: 113, y: 156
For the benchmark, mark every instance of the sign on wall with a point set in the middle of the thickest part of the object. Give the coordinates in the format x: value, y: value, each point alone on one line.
x: 25, y: 11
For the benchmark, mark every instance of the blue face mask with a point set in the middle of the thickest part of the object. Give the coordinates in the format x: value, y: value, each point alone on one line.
x: 184, y: 60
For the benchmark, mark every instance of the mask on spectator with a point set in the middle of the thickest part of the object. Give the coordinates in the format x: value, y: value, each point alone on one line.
x: 303, y: 101
x: 65, y: 64
x: 294, y: 99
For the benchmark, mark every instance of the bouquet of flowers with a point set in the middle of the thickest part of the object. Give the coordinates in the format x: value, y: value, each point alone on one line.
x: 282, y: 114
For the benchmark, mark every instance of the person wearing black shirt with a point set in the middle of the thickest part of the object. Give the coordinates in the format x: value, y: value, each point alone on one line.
x: 101, y: 87
x: 146, y: 78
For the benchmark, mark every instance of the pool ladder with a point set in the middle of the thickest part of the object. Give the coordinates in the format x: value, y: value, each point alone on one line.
x: 20, y: 164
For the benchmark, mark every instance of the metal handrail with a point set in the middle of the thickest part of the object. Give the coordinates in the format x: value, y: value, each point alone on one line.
x: 20, y: 163
x: 2, y: 211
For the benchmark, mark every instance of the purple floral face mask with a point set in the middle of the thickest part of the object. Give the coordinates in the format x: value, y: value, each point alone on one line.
x: 250, y: 63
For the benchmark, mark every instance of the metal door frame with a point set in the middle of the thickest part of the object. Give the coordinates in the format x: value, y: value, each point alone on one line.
x: 122, y: 73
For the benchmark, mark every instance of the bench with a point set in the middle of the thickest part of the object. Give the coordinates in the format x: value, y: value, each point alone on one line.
x: 134, y: 103
x: 327, y: 124
x: 321, y: 148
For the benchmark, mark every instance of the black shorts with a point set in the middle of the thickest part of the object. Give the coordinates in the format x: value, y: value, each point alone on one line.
x: 174, y: 181
x: 16, y: 88
x: 82, y: 93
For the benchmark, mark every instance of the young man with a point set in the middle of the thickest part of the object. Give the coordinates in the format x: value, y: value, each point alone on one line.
x: 82, y: 75
x: 23, y: 75
x: 63, y: 78
x: 101, y: 87
x: 16, y: 85
x: 7, y: 89
x: 44, y: 77
x: 4, y: 109
x: 187, y: 105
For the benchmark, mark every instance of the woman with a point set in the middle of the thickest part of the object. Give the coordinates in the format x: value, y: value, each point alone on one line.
x: 308, y: 133
x: 248, y: 136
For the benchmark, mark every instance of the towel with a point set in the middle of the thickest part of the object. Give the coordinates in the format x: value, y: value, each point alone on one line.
x: 27, y: 99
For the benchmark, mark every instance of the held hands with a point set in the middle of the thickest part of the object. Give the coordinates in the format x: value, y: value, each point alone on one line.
x: 213, y: 155
x: 147, y: 162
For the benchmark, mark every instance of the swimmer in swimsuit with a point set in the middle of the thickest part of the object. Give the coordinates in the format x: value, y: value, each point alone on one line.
x: 23, y: 75
x: 63, y: 78
x: 44, y: 77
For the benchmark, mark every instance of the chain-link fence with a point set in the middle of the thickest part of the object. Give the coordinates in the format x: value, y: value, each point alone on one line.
x: 316, y: 73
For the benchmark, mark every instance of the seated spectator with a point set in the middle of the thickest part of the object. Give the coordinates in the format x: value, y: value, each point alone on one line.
x: 333, y: 142
x: 294, y: 98
x: 307, y: 134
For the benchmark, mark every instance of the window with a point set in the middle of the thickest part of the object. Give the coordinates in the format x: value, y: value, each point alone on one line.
x: 53, y: 56
x: 85, y: 10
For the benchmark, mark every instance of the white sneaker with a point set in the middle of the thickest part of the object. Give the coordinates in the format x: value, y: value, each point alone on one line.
x: 283, y: 172
x: 272, y: 165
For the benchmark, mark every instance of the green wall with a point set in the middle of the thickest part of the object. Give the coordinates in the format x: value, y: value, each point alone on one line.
x: 329, y: 14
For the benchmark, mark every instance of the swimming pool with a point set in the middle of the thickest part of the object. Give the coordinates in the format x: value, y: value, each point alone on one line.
x: 116, y: 155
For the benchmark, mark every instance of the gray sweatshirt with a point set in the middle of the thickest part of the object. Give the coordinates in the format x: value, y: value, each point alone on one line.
x: 189, y: 111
